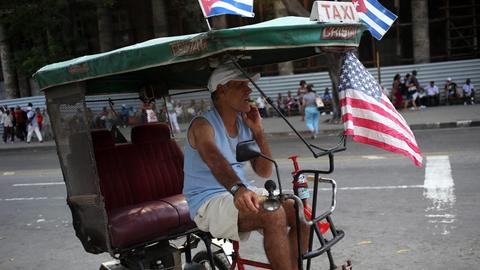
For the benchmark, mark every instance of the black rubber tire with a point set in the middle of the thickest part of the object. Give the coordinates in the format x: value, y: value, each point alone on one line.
x: 220, y: 261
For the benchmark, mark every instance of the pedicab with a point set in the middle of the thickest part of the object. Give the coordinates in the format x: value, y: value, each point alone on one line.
x: 126, y: 198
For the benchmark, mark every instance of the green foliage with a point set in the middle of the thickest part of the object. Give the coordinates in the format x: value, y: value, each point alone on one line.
x: 36, y: 31
x: 40, y: 31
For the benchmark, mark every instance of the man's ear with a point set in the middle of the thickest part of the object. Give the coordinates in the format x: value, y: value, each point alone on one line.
x: 220, y: 89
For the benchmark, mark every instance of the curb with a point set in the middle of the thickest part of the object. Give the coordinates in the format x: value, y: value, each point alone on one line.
x: 457, y: 124
x: 435, y: 125
x: 328, y: 132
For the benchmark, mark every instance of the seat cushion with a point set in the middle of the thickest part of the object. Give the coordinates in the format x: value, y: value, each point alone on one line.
x: 102, y: 138
x: 148, y: 221
x: 163, y: 175
x: 150, y: 133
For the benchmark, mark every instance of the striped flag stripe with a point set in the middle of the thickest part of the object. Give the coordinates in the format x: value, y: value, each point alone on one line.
x: 388, y: 107
x: 363, y: 139
x: 369, y: 115
x: 362, y: 104
x: 377, y: 20
x: 223, y: 8
x: 242, y: 5
x: 245, y: 2
x: 380, y: 127
x: 387, y: 141
x: 380, y: 11
x: 386, y: 102
x: 376, y: 30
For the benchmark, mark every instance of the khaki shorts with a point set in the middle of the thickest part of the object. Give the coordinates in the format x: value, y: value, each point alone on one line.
x: 219, y: 217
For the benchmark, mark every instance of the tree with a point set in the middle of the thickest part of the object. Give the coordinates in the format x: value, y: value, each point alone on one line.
x: 105, y: 24
x: 334, y: 60
x: 9, y: 74
x: 36, y: 32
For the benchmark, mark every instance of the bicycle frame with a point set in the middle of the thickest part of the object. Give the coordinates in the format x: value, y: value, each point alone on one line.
x: 316, y: 226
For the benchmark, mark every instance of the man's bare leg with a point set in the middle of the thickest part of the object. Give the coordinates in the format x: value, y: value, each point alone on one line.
x: 292, y: 234
x: 275, y: 235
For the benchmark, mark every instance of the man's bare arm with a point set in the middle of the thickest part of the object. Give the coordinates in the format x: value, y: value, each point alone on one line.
x: 261, y: 166
x: 201, y: 137
x: 253, y: 120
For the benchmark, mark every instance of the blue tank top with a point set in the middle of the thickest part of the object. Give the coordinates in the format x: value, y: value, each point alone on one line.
x: 199, y: 182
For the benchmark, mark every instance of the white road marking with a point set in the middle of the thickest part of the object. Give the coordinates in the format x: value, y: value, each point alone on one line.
x: 439, y: 189
x: 438, y: 173
x: 373, y: 157
x: 365, y: 188
x: 32, y: 199
x: 8, y: 173
x: 26, y: 199
x: 39, y: 184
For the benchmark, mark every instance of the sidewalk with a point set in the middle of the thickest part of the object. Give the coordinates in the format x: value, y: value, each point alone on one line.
x: 429, y: 118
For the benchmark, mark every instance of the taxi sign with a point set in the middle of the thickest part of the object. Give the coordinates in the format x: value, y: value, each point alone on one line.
x: 334, y: 12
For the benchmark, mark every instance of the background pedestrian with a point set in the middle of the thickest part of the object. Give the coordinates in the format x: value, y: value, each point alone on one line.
x: 312, y: 115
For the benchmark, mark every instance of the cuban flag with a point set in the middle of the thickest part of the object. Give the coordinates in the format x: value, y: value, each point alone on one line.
x: 242, y: 8
x: 377, y: 18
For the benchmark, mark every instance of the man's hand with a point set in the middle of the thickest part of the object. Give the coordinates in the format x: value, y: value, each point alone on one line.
x: 246, y: 200
x: 253, y: 120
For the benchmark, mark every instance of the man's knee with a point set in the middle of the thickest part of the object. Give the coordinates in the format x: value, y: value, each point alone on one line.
x: 276, y: 218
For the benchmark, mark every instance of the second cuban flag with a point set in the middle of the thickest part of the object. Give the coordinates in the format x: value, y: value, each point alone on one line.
x: 377, y: 18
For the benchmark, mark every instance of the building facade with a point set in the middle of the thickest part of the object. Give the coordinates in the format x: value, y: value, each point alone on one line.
x: 425, y: 31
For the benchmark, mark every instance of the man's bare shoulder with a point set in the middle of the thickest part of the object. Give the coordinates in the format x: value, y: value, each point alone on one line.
x: 200, y: 123
x: 200, y: 131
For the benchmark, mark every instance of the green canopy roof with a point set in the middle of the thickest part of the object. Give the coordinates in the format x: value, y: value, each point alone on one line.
x: 183, y: 62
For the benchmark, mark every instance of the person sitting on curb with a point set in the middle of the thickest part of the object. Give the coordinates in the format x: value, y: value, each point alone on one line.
x: 451, y: 91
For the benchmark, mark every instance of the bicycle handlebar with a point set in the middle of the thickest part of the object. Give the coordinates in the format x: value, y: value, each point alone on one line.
x: 298, y: 201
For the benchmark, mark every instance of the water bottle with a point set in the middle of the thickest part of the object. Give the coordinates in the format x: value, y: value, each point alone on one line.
x: 303, y: 192
x: 301, y: 185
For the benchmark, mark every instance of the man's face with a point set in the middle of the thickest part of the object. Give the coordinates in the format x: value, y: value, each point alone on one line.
x: 236, y: 94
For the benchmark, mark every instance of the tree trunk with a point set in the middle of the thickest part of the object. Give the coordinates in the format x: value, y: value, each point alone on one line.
x: 219, y: 22
x: 159, y: 18
x: 334, y: 61
x: 9, y: 75
x: 285, y: 68
x: 23, y: 85
x: 105, y: 28
x: 421, y: 43
x: 295, y: 8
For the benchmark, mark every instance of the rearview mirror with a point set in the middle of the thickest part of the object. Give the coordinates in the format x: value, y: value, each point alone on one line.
x: 247, y: 150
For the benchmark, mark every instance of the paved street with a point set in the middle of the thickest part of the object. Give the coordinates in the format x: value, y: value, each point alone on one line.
x: 396, y: 216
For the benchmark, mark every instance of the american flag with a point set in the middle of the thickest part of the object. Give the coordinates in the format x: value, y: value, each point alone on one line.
x: 369, y: 116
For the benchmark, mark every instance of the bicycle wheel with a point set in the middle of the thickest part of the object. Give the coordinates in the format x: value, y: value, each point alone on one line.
x: 220, y: 261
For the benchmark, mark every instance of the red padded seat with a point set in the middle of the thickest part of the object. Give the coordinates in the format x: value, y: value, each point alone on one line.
x: 114, y: 183
x: 147, y: 221
x: 141, y: 183
x: 165, y: 159
x: 102, y: 138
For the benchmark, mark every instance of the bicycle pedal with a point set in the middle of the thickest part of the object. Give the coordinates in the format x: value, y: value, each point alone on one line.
x: 347, y: 266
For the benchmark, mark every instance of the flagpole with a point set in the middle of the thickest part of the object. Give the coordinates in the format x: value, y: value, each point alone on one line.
x: 205, y: 15
x: 376, y: 59
x: 208, y: 23
x: 378, y: 66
